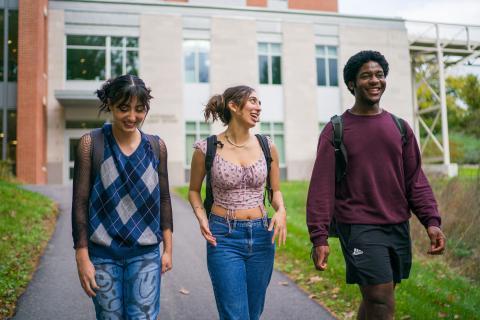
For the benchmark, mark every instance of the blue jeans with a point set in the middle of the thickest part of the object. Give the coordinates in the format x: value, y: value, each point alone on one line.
x: 240, y: 266
x: 129, y: 288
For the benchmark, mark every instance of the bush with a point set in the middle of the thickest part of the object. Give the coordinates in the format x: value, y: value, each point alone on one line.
x: 459, y: 200
x: 6, y: 170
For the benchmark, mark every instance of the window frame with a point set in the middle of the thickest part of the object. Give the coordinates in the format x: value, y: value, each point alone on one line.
x: 107, y: 49
x: 198, y: 132
x: 326, y: 56
x: 197, y: 50
x: 274, y: 133
x: 270, y: 55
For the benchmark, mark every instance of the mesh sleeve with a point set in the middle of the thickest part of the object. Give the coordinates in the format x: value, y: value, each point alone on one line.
x: 81, y: 192
x: 166, y: 219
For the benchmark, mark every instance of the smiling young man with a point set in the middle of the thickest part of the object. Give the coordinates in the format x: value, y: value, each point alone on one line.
x: 383, y: 183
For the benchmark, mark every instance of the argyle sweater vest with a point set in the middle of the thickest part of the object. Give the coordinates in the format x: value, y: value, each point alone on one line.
x: 124, y: 205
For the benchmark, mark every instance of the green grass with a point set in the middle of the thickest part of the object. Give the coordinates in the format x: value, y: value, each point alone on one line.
x: 27, y: 220
x: 433, y: 291
x: 468, y: 172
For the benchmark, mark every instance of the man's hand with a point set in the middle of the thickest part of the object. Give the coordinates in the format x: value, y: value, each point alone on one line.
x: 437, y: 240
x: 320, y: 257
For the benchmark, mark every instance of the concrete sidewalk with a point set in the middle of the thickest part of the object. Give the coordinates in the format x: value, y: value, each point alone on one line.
x: 55, y: 291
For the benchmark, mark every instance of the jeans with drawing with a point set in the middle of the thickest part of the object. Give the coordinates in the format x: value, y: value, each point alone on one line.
x: 129, y: 288
x: 240, y: 266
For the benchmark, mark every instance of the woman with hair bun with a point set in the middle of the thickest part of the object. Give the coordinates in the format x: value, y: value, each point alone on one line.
x: 121, y: 209
x: 240, y: 237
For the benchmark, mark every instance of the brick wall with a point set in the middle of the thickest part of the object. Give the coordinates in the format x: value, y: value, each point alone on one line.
x: 320, y: 5
x: 257, y: 3
x: 32, y: 87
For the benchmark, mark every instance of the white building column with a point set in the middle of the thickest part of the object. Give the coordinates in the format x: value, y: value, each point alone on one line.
x: 161, y: 69
x: 300, y: 105
x: 55, y: 111
x: 233, y: 55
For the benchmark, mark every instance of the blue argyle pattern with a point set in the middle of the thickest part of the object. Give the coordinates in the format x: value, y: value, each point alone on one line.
x: 124, y: 205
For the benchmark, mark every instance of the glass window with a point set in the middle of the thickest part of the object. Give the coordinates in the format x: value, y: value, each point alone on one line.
x: 11, y: 136
x: 269, y: 63
x: 196, y: 61
x: 2, y: 28
x: 132, y: 63
x: 203, y: 67
x: 195, y: 130
x: 116, y: 61
x: 86, y: 64
x: 84, y: 124
x: 327, y: 66
x: 263, y: 69
x: 275, y: 131
x: 321, y: 72
x: 12, y: 45
x: 86, y: 57
x: 332, y: 72
x: 92, y: 41
x: 276, y: 71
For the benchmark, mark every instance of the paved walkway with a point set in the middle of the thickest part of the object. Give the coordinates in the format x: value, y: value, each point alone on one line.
x: 55, y: 292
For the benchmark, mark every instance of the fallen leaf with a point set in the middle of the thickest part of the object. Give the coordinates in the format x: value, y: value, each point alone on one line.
x: 334, y: 296
x: 283, y: 283
x: 184, y: 291
x: 315, y: 279
x: 349, y: 315
x: 456, y: 316
x: 336, y: 290
x: 312, y: 296
x: 442, y: 315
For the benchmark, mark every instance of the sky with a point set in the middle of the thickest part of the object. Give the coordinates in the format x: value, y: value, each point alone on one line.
x: 448, y: 11
x: 451, y: 11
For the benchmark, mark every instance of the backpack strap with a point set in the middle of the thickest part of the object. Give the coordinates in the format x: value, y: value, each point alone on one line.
x: 341, y: 158
x: 268, y: 157
x: 401, y: 127
x: 96, y: 152
x: 209, y: 157
x: 155, y: 144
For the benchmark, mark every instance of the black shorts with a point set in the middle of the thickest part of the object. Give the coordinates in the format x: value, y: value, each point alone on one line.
x: 376, y: 254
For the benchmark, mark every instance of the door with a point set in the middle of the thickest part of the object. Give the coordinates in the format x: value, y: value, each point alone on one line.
x: 72, y: 138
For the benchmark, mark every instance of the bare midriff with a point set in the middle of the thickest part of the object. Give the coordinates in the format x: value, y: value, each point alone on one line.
x: 239, y: 214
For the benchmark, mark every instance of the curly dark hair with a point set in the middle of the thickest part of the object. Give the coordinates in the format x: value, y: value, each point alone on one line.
x: 356, y: 61
x: 121, y: 89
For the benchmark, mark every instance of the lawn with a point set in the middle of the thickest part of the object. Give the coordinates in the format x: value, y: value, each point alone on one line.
x: 27, y: 221
x: 434, y: 291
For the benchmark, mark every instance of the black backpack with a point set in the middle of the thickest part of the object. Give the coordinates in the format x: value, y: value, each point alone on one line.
x: 210, y: 156
x: 341, y: 156
x: 97, y: 150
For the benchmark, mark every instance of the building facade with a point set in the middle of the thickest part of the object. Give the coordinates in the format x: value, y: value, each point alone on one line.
x: 291, y: 51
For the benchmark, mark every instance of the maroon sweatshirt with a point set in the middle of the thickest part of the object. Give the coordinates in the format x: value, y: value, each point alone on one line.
x: 384, y: 179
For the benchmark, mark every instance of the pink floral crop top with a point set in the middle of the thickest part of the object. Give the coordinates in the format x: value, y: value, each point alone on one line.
x: 234, y: 186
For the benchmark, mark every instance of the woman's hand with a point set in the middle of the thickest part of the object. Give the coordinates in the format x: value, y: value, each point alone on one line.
x: 205, y: 229
x: 86, y: 272
x: 279, y: 222
x: 166, y: 261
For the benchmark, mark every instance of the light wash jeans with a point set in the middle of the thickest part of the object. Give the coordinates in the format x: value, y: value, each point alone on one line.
x: 129, y: 288
x: 240, y: 266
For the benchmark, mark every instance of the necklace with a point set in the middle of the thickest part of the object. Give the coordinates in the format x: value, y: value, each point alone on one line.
x: 234, y: 144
